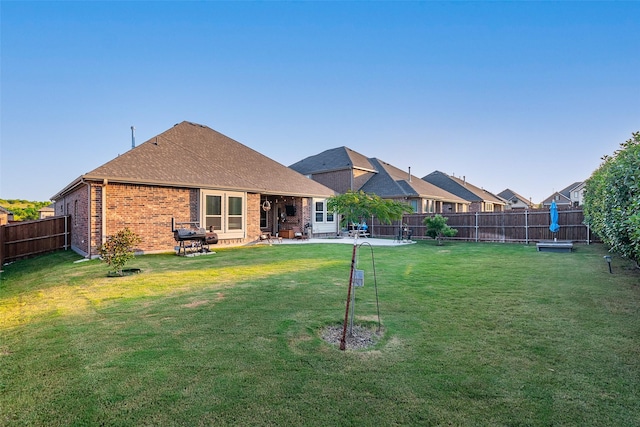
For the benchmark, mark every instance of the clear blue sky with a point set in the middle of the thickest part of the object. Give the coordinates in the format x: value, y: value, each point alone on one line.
x: 521, y: 95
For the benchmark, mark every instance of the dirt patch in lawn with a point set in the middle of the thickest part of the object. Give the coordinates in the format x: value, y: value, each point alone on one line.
x: 360, y: 338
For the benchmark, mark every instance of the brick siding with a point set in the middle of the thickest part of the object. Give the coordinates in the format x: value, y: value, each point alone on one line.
x: 148, y: 211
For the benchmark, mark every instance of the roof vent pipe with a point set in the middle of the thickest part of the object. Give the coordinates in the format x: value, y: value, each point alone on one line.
x: 133, y: 137
x: 409, y: 173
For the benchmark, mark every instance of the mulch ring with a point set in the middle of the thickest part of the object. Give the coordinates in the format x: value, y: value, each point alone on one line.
x: 361, y: 337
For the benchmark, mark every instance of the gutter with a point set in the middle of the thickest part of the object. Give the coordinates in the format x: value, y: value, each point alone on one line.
x: 88, y: 217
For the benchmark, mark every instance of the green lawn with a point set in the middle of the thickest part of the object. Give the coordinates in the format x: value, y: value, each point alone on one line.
x: 474, y: 335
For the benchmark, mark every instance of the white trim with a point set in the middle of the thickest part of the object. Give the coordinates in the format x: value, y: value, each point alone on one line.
x: 224, y: 232
x: 323, y: 226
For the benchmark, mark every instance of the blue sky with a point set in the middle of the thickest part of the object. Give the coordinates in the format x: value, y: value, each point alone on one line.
x: 521, y: 95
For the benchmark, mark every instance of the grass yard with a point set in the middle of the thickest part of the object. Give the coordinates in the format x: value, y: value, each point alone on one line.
x: 474, y: 335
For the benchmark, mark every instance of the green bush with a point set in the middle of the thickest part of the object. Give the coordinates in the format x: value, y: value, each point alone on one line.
x: 612, y: 200
x: 438, y: 229
x: 119, y: 249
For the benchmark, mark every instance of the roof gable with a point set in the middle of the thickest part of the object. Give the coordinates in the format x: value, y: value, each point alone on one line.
x: 391, y: 181
x: 511, y: 195
x: 196, y: 156
x: 339, y: 158
x: 567, y: 190
x: 461, y: 188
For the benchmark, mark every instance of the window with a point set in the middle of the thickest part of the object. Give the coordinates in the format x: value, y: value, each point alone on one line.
x: 414, y: 205
x: 225, y: 212
x: 321, y: 214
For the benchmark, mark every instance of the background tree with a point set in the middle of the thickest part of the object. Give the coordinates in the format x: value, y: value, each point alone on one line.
x: 612, y: 200
x: 23, y: 210
x: 358, y: 206
x: 437, y: 228
x: 119, y: 249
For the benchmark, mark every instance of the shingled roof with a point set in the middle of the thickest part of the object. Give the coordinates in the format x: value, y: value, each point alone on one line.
x: 332, y: 160
x: 195, y: 156
x: 391, y: 182
x: 511, y: 196
x: 461, y: 188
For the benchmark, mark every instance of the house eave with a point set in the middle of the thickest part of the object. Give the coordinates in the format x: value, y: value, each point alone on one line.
x: 119, y: 180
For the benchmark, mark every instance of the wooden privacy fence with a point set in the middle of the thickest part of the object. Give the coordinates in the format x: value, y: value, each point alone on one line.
x: 25, y: 239
x: 525, y: 226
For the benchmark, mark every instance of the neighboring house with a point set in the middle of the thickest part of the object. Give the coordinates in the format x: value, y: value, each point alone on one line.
x: 571, y: 196
x: 340, y: 169
x: 343, y: 169
x: 46, y: 212
x: 190, y: 173
x: 514, y: 200
x: 5, y: 216
x: 392, y: 183
x: 480, y: 200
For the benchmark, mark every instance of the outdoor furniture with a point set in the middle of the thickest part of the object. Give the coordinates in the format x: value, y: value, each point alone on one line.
x: 555, y: 246
x: 359, y: 233
x: 298, y: 234
x: 404, y: 234
x: 287, y: 234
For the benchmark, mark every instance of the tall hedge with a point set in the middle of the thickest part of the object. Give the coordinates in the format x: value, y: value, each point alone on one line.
x: 612, y: 200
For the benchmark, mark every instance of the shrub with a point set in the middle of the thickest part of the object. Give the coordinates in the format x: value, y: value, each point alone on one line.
x: 437, y: 228
x: 612, y: 200
x: 118, y: 249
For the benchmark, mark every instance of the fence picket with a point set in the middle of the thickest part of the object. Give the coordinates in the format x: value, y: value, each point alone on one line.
x: 509, y: 226
x: 24, y: 239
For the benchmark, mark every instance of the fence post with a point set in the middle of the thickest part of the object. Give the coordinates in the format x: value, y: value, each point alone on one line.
x: 477, y: 226
x: 2, y: 248
x: 526, y: 226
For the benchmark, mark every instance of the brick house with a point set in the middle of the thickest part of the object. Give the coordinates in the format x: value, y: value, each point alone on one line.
x: 190, y: 173
x: 343, y: 169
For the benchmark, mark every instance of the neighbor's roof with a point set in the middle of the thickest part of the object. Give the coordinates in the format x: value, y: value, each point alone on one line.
x: 565, y: 193
x: 332, y: 160
x: 391, y: 182
x: 461, y: 188
x: 196, y: 156
x: 510, y: 195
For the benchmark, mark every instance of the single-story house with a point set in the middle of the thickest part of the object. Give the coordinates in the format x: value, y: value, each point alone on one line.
x: 480, y: 199
x: 343, y: 169
x: 191, y: 174
x: 514, y: 200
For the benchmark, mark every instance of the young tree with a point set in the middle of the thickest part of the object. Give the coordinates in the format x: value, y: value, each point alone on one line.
x: 612, y: 200
x: 358, y: 206
x: 437, y: 228
x: 118, y: 249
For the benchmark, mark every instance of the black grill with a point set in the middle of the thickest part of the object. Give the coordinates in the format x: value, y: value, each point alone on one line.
x: 194, y: 237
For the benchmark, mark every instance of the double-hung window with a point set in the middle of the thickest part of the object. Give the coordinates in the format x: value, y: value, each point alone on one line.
x: 324, y: 221
x: 226, y: 212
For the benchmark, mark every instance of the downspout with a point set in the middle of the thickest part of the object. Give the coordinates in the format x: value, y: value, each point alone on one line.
x: 103, y: 214
x: 88, y: 218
